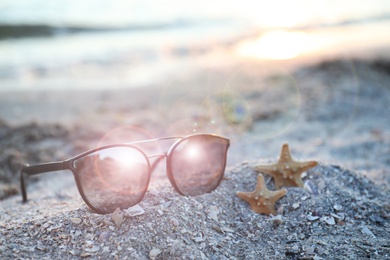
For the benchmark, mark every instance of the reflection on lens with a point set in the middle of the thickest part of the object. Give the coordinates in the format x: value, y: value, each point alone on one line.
x: 198, y: 163
x: 115, y: 177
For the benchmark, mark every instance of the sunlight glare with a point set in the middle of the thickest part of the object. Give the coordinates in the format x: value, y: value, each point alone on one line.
x: 128, y: 158
x: 193, y: 152
x: 275, y: 45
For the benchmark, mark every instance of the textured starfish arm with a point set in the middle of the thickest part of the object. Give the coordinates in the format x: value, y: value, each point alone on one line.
x: 268, y: 169
x: 286, y: 172
x: 285, y: 155
x: 308, y: 165
x: 243, y: 196
x: 278, y: 195
x: 262, y: 200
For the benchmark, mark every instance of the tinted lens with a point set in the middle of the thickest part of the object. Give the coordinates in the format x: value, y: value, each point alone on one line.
x: 113, y: 178
x: 197, y: 164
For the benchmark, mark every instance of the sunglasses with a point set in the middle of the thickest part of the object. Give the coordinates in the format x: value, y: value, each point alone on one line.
x: 118, y: 175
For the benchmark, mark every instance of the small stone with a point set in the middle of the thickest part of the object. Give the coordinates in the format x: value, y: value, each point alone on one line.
x: 296, y: 205
x: 104, y: 236
x: 226, y: 229
x: 174, y: 222
x: 339, y: 216
x: 312, y: 218
x: 329, y: 220
x: 117, y: 217
x: 212, y: 213
x: 368, y: 232
x: 85, y: 254
x: 280, y: 210
x: 134, y: 211
x: 154, y: 253
x: 304, y: 198
x: 277, y: 220
x: 295, y: 248
x: 341, y: 223
x: 338, y: 207
x: 75, y: 220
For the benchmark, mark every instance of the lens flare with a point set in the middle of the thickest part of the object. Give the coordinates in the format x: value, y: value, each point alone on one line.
x: 193, y: 152
x: 269, y: 103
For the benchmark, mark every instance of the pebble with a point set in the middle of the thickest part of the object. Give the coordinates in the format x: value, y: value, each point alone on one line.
x: 174, y: 222
x: 212, y: 213
x: 117, y: 217
x: 134, y: 211
x: 75, y: 220
x: 277, y: 220
x: 339, y: 216
x: 154, y: 253
x: 312, y: 218
x: 104, y: 236
x: 368, y: 232
x: 337, y: 207
x: 296, y: 205
x: 329, y: 220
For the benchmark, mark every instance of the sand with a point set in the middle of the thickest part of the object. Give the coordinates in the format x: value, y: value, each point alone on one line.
x: 335, y: 112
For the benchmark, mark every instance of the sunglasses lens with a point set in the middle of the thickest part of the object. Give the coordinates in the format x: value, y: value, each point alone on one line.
x: 113, y: 178
x: 197, y: 164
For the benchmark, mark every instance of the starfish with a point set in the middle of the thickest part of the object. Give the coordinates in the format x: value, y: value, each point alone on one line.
x: 286, y: 172
x: 262, y: 200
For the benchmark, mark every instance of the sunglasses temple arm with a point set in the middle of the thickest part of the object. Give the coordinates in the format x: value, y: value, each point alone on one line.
x: 37, y: 169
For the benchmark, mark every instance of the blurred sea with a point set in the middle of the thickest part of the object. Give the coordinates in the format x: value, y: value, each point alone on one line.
x: 138, y: 38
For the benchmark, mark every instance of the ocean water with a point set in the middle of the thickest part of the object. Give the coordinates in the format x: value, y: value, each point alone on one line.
x: 42, y: 39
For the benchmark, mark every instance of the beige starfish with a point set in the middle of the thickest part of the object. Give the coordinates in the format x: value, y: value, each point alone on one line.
x: 286, y: 172
x: 262, y: 200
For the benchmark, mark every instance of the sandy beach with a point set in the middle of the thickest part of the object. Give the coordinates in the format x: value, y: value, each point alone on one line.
x: 333, y: 111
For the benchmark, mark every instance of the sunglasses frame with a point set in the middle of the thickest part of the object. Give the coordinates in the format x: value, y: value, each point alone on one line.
x: 69, y: 164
